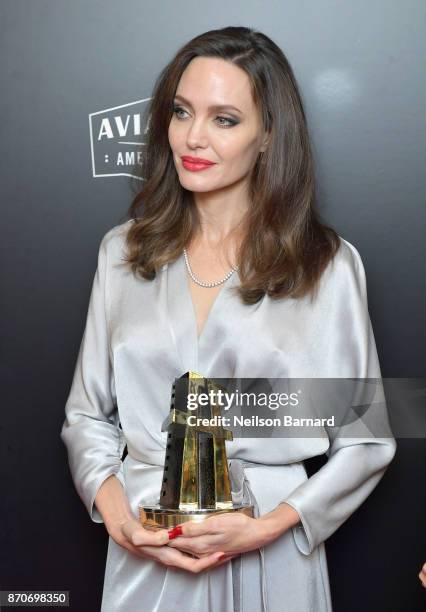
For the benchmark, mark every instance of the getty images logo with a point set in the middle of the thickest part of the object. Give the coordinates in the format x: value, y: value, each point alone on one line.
x: 116, y: 139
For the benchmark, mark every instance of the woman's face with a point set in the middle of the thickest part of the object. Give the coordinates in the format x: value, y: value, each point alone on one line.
x: 215, y: 119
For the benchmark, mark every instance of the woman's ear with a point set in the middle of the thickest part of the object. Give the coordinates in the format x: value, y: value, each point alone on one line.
x: 265, y: 142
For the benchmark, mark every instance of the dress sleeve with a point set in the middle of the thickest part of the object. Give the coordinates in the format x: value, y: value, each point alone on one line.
x: 91, y: 431
x: 355, y: 464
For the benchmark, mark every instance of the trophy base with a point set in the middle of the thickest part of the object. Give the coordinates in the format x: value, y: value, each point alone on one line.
x: 155, y: 517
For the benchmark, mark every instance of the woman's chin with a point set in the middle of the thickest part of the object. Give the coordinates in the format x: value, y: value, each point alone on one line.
x: 196, y: 185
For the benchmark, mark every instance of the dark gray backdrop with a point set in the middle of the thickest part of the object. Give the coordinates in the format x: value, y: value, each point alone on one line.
x: 361, y: 69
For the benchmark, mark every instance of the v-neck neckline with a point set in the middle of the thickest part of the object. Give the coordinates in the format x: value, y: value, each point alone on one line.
x: 194, y: 312
x: 181, y: 316
x: 210, y: 314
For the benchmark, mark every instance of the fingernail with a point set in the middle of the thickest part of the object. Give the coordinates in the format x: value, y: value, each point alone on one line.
x: 174, y: 532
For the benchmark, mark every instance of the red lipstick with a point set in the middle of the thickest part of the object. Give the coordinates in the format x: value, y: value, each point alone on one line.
x: 194, y: 164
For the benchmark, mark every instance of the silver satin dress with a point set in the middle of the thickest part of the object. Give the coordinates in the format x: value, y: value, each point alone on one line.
x: 140, y: 335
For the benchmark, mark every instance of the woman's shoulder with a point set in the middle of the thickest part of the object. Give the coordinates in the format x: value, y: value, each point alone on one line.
x: 114, y: 239
x: 347, y: 259
x: 118, y: 232
x: 345, y: 271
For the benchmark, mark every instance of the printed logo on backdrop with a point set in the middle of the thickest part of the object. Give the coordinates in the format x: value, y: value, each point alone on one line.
x: 116, y: 139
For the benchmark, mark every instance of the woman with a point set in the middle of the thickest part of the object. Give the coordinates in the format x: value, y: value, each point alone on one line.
x: 225, y: 269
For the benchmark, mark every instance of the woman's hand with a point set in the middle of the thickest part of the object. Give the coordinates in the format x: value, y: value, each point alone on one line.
x: 233, y: 533
x: 151, y: 544
x: 422, y: 575
x: 126, y: 531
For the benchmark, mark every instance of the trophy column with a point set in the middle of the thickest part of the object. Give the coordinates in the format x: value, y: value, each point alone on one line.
x: 195, y: 477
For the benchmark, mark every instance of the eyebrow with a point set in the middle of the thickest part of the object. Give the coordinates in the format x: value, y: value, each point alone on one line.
x: 215, y: 107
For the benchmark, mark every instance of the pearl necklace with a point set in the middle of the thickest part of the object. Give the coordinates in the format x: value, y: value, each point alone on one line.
x: 204, y: 283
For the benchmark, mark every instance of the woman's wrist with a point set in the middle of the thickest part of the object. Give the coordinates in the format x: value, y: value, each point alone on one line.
x: 279, y: 520
x: 112, y: 504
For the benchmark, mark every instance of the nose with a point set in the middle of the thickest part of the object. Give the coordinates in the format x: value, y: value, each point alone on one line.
x: 197, y: 135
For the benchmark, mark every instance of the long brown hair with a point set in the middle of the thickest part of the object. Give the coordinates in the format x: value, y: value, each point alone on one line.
x: 286, y: 247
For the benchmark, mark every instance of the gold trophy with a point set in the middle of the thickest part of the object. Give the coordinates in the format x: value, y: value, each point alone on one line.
x: 196, y: 481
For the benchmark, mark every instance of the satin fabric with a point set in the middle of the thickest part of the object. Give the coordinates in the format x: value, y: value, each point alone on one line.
x: 140, y: 335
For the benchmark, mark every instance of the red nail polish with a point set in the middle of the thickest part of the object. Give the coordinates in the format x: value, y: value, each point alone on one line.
x: 174, y: 532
